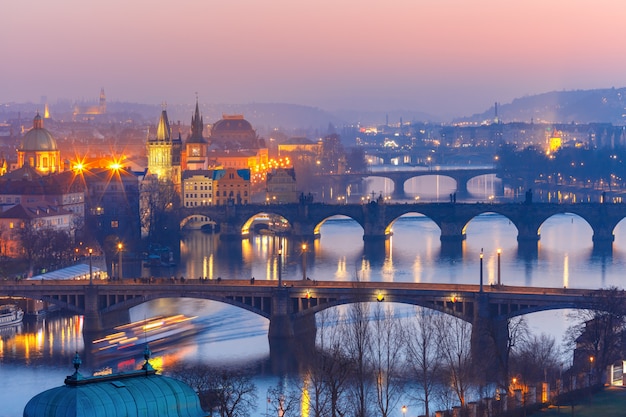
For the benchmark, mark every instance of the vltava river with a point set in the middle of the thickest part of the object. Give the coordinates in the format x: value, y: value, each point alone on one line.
x: 37, y: 356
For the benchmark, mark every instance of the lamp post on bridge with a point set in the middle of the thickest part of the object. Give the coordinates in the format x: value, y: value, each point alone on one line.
x: 499, y: 253
x: 90, y: 268
x: 481, y: 271
x: 304, y: 247
x: 119, y: 268
x: 280, y: 261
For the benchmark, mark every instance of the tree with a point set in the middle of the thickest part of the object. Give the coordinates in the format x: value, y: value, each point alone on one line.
x: 159, y: 200
x: 357, y: 340
x: 454, y: 336
x: 423, y: 356
x: 386, y: 358
x: 597, y: 337
x: 230, y: 392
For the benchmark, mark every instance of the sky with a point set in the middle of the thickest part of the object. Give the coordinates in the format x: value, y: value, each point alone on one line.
x: 441, y: 57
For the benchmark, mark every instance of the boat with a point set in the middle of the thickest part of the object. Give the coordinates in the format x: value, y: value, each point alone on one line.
x: 10, y: 314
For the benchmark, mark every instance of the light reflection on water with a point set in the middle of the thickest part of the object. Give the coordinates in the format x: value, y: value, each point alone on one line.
x: 39, y: 356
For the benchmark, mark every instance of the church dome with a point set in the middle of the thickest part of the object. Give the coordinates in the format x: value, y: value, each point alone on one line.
x: 234, y: 132
x: 231, y: 124
x: 38, y: 138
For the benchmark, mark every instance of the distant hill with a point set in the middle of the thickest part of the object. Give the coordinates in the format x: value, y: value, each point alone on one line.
x: 580, y: 106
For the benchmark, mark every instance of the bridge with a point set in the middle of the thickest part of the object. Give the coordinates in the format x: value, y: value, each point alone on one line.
x: 377, y: 217
x: 291, y: 308
x: 399, y: 178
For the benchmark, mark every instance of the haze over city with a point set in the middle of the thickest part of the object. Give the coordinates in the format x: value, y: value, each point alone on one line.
x: 444, y: 58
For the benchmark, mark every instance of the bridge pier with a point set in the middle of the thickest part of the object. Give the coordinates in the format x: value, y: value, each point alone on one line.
x: 452, y: 231
x: 489, y: 341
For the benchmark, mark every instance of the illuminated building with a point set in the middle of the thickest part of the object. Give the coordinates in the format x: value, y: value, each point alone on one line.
x: 554, y: 141
x: 234, y: 133
x: 164, y: 153
x: 39, y: 150
x: 231, y: 186
x: 197, y: 188
x: 281, y: 186
x: 195, y: 153
x: 87, y: 112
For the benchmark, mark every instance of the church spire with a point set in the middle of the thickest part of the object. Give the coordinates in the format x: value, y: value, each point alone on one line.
x: 163, y: 129
x: 197, y: 125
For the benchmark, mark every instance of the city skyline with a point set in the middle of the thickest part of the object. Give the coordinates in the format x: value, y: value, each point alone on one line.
x: 444, y: 58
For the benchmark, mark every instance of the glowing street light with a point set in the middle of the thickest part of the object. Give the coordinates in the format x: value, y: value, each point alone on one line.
x: 499, y: 253
x: 90, y: 268
x: 119, y: 251
x: 481, y: 270
x: 404, y: 409
x: 304, y: 247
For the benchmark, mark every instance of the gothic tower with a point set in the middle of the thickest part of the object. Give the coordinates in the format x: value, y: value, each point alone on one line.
x: 164, y: 153
x: 196, y: 146
x: 103, y: 102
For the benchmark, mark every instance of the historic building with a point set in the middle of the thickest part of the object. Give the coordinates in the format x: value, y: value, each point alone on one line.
x: 90, y: 111
x: 234, y: 133
x: 196, y: 146
x: 197, y: 188
x: 231, y: 186
x: 39, y: 150
x: 281, y: 186
x: 164, y: 153
x: 136, y: 393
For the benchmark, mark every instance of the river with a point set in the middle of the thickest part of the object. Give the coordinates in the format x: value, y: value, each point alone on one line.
x: 37, y: 356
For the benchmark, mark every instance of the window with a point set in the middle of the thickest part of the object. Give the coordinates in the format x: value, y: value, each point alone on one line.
x: 114, y: 224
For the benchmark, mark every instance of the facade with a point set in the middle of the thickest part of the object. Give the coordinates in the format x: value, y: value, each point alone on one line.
x: 231, y: 186
x: 36, y: 216
x: 234, y: 133
x: 112, y: 203
x: 281, y: 187
x: 197, y: 188
x: 39, y: 149
x: 164, y: 153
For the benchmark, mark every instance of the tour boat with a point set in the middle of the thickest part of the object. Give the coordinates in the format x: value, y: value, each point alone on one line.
x: 10, y: 314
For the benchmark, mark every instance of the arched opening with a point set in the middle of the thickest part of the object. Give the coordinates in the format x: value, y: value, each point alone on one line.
x: 375, y: 186
x: 430, y: 188
x: 269, y: 224
x: 485, y: 187
x: 199, y: 222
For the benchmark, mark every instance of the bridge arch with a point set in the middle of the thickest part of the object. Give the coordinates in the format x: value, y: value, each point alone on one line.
x: 416, y: 213
x: 490, y: 215
x: 197, y: 221
x: 565, y: 232
x: 273, y: 222
x: 318, y: 226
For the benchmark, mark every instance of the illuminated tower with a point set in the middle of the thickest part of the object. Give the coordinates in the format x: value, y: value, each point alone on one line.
x: 164, y: 153
x: 103, y: 102
x: 196, y: 145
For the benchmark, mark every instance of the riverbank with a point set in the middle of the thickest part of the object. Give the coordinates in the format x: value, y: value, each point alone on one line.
x: 610, y: 402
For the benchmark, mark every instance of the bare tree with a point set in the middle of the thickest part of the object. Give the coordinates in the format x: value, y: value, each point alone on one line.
x: 423, y: 356
x: 357, y: 341
x: 386, y: 358
x: 326, y: 381
x: 231, y: 392
x: 454, y: 336
x: 536, y: 357
x: 159, y: 199
x: 283, y: 400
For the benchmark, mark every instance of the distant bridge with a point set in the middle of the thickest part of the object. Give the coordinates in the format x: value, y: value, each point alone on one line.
x: 377, y: 218
x: 399, y: 178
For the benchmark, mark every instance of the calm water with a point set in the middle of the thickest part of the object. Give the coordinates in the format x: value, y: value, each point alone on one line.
x: 38, y: 356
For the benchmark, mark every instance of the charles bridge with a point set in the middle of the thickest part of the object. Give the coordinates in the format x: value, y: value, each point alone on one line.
x: 292, y: 305
x: 377, y: 217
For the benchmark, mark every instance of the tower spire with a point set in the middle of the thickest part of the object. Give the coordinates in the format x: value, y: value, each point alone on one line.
x: 197, y: 124
x: 163, y: 129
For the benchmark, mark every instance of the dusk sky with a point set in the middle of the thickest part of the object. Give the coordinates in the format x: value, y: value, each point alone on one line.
x: 443, y: 57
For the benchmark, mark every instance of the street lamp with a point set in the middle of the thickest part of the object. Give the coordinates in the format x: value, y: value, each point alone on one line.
x: 90, y: 268
x: 481, y: 270
x: 404, y: 408
x: 499, y: 253
x: 280, y: 261
x: 304, y: 261
x: 119, y: 251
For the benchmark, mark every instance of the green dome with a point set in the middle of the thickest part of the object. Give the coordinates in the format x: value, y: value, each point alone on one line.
x: 38, y: 138
x: 129, y: 394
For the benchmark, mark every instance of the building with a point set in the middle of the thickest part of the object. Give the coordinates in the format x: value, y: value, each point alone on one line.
x: 39, y: 149
x: 196, y: 146
x: 34, y: 217
x: 234, y: 133
x: 130, y: 394
x: 231, y: 186
x: 112, y: 203
x: 281, y: 186
x: 197, y: 188
x: 90, y: 111
x: 164, y: 153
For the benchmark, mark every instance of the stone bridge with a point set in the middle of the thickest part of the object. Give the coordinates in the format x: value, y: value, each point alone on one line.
x: 377, y: 218
x: 399, y: 178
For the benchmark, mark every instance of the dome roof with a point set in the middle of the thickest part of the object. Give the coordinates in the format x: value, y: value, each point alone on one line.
x: 38, y: 138
x: 137, y: 393
x: 234, y: 123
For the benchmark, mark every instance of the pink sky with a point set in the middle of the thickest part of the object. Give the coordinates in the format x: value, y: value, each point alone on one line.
x: 436, y: 56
